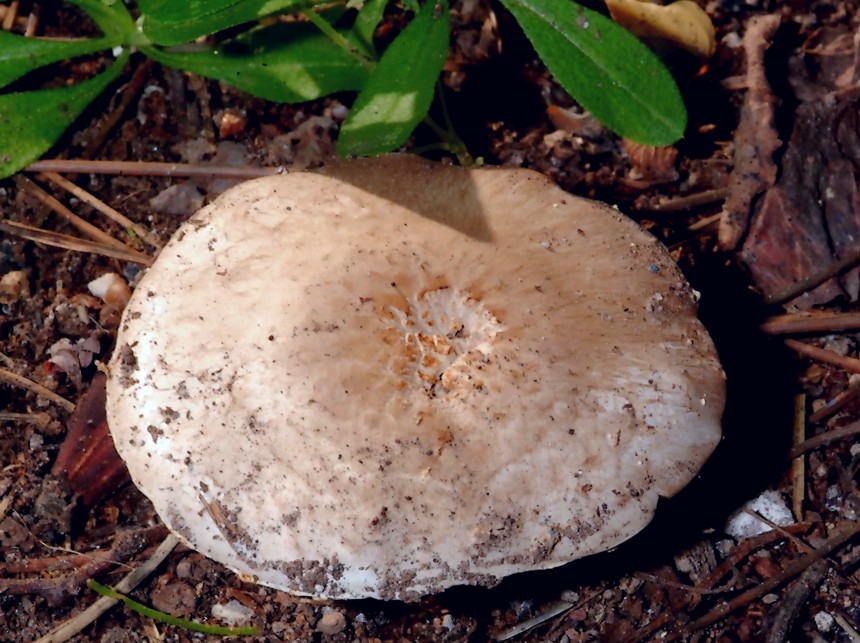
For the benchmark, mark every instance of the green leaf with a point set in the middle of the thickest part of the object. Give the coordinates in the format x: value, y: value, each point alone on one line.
x: 368, y: 18
x: 284, y: 62
x: 173, y: 22
x: 400, y: 89
x: 111, y: 17
x: 20, y: 55
x: 605, y: 68
x: 32, y: 121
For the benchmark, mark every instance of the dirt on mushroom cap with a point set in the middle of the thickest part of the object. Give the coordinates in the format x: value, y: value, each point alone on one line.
x: 398, y: 376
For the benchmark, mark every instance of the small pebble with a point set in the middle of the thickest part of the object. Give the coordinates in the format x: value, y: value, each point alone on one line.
x: 770, y: 505
x: 36, y: 442
x: 183, y: 568
x: 111, y: 289
x: 231, y: 122
x: 178, y: 200
x: 683, y: 564
x: 331, y: 623
x: 233, y: 613
x: 13, y: 286
x: 339, y: 112
x: 823, y: 621
x: 176, y: 598
x: 570, y: 596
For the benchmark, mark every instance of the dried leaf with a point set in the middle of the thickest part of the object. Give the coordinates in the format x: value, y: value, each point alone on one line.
x: 683, y: 23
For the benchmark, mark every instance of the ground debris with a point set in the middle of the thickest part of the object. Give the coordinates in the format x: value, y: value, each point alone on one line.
x: 804, y: 229
x: 756, y: 139
x: 635, y: 592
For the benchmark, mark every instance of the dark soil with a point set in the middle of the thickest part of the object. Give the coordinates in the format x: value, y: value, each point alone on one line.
x: 508, y: 110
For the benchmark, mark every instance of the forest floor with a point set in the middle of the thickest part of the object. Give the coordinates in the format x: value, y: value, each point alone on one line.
x: 762, y: 215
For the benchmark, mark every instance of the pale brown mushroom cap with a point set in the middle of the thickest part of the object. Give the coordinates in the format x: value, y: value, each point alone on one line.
x: 399, y: 376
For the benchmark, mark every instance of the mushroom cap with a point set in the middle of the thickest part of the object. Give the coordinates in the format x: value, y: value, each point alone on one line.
x: 396, y: 376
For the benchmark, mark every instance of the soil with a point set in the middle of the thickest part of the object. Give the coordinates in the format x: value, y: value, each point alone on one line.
x: 657, y: 586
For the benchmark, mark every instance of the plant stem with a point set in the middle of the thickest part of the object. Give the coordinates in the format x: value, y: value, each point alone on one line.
x: 450, y: 140
x: 192, y: 626
x: 338, y: 38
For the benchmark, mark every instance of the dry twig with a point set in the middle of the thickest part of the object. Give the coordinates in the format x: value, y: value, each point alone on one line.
x: 67, y: 242
x: 825, y: 438
x: 57, y: 590
x: 793, y: 600
x: 11, y: 14
x: 146, y: 168
x: 798, y: 465
x: 550, y: 611
x: 847, y: 628
x: 837, y: 403
x: 84, y: 226
x: 705, y: 222
x: 40, y: 419
x: 71, y: 627
x: 811, y: 322
x: 794, y: 568
x: 104, y: 208
x: 14, y: 379
x: 804, y: 285
x: 851, y: 364
x: 132, y: 89
x: 744, y: 549
x: 685, y: 202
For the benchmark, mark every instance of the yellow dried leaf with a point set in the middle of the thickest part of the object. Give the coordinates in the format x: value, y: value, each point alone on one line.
x: 684, y: 23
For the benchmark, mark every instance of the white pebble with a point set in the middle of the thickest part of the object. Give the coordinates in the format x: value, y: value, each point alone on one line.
x: 823, y: 621
x: 769, y: 505
x: 233, y: 613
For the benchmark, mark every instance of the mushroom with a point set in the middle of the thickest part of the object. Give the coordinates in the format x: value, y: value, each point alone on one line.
x: 394, y: 376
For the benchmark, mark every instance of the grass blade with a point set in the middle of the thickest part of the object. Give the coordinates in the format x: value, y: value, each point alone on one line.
x: 167, y: 618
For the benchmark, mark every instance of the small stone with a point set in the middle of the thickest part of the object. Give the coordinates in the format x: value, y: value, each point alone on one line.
x: 13, y: 286
x: 683, y: 564
x: 36, y: 442
x: 111, y: 289
x: 232, y: 613
x: 183, y: 568
x: 178, y: 200
x: 570, y: 596
x: 231, y: 122
x: 332, y: 622
x: 833, y: 498
x: 769, y: 505
x: 823, y: 621
x: 174, y: 598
